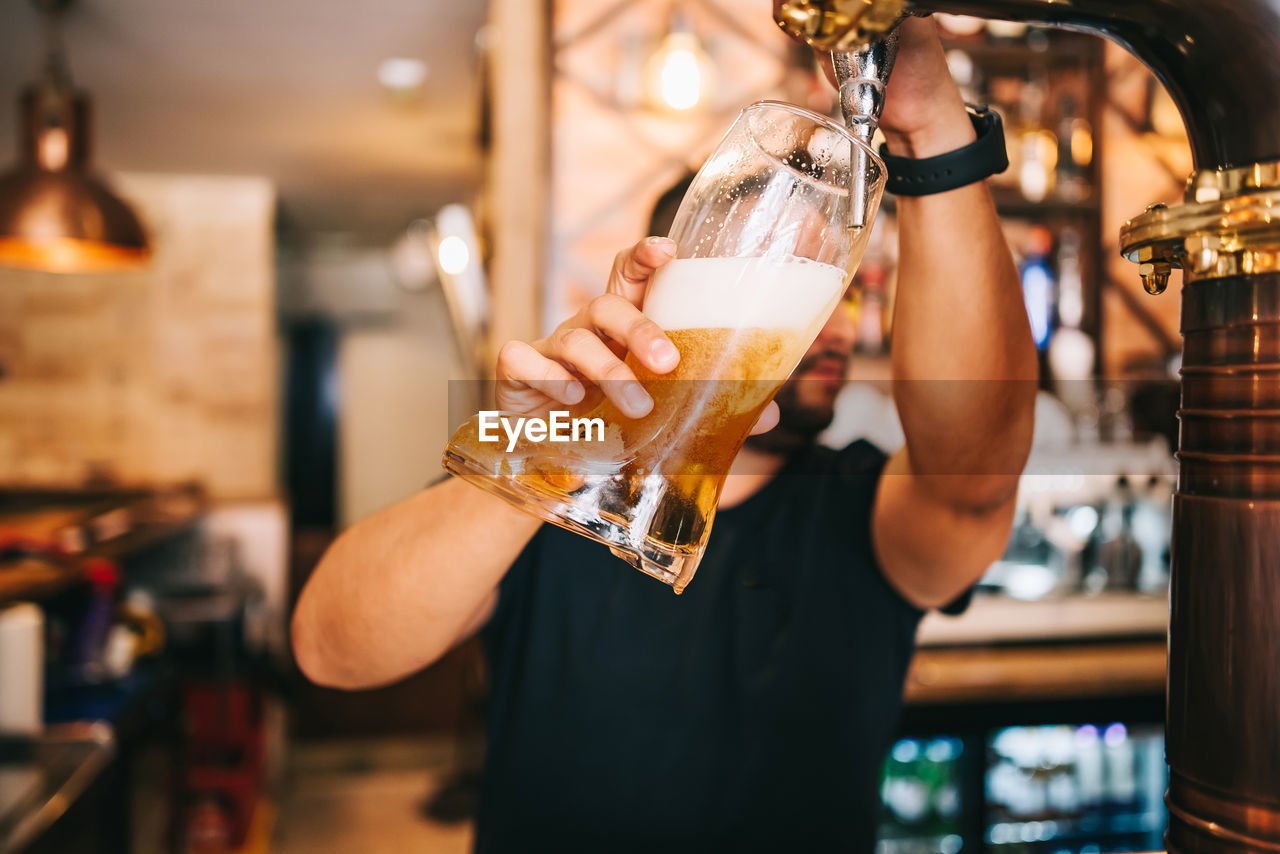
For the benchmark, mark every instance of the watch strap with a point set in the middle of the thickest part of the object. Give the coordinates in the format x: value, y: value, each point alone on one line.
x: 982, y: 158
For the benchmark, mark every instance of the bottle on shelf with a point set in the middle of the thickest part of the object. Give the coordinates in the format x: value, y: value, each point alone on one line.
x: 1151, y: 523
x: 1037, y: 145
x: 1059, y: 763
x: 902, y: 790
x: 1039, y: 288
x: 1091, y: 783
x: 1032, y: 566
x: 1117, y: 557
x: 942, y: 756
x: 1002, y: 93
x: 1121, y: 763
x: 1070, y: 279
x: 1075, y: 151
x: 1017, y: 782
x: 1071, y: 350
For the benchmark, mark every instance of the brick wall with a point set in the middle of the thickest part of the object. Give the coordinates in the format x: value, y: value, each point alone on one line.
x: 164, y: 375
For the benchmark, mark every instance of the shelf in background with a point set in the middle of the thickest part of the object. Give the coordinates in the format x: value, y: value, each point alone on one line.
x: 59, y: 531
x: 1001, y: 619
x: 1011, y: 203
x: 1015, y: 57
x: 1078, y: 830
x: 31, y: 578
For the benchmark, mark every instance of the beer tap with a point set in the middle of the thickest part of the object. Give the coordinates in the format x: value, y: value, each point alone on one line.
x: 861, y: 75
x: 863, y: 40
x: 1220, y: 62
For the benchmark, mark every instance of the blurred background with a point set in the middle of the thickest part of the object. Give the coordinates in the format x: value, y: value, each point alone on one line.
x: 346, y: 208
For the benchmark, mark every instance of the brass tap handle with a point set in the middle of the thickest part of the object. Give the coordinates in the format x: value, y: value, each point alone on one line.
x: 837, y: 24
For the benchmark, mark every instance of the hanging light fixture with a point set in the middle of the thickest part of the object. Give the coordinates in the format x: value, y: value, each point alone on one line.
x: 55, y: 213
x: 680, y: 75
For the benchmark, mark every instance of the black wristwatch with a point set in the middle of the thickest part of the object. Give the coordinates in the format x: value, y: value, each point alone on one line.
x: 982, y: 158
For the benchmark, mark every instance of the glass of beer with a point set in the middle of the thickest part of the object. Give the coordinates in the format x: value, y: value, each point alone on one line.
x: 764, y: 254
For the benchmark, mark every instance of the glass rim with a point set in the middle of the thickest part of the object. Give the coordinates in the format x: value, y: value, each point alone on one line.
x: 825, y: 122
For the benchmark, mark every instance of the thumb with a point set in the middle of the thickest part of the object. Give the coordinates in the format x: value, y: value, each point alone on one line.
x: 633, y: 267
x: 767, y: 420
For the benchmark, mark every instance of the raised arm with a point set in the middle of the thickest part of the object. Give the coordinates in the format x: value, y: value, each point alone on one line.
x: 964, y: 364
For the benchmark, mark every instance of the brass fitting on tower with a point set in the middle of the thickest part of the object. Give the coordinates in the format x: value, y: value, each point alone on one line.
x: 837, y: 25
x: 1227, y: 225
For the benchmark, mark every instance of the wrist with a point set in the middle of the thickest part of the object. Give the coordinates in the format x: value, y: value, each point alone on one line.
x: 943, y: 157
x: 946, y: 131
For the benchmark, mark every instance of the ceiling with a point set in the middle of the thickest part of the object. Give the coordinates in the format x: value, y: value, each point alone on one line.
x: 282, y: 88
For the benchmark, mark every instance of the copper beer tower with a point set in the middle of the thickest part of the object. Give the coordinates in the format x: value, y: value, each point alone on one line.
x: 1220, y: 60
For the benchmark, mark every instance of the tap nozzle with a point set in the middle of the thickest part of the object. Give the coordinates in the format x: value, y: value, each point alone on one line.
x: 861, y: 76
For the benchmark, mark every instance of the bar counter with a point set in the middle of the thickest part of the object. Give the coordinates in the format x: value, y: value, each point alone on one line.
x: 1036, y: 672
x: 1076, y: 647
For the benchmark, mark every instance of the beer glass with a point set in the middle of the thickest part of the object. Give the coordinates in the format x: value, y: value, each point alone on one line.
x: 764, y: 254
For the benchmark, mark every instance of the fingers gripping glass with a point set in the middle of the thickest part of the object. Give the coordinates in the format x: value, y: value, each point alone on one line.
x: 764, y: 255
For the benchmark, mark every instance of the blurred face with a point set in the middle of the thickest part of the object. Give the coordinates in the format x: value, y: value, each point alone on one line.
x: 806, y: 402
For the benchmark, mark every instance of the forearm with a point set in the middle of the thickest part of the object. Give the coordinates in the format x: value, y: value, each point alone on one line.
x: 963, y: 360
x: 395, y: 591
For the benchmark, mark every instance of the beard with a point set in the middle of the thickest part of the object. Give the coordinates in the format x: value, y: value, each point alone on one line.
x: 806, y: 407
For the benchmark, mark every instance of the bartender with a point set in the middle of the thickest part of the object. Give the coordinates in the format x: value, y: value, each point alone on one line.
x: 752, y: 713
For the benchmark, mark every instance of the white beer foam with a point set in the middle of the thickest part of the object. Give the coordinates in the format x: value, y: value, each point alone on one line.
x: 743, y: 293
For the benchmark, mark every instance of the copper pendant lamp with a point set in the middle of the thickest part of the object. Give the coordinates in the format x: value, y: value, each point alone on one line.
x: 55, y: 213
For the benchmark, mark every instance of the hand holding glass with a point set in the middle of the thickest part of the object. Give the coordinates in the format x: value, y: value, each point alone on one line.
x: 764, y: 255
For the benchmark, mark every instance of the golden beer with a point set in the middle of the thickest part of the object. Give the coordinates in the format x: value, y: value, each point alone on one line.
x: 702, y: 423
x: 663, y: 473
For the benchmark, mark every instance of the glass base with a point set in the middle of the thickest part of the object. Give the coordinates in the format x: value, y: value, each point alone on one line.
x: 670, y: 565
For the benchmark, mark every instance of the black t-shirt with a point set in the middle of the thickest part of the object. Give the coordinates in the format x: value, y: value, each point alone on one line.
x: 751, y: 713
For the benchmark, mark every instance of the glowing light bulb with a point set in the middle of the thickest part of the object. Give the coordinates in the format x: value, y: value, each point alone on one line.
x: 679, y: 73
x: 453, y: 254
x: 401, y: 74
x: 54, y: 149
x: 681, y: 80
